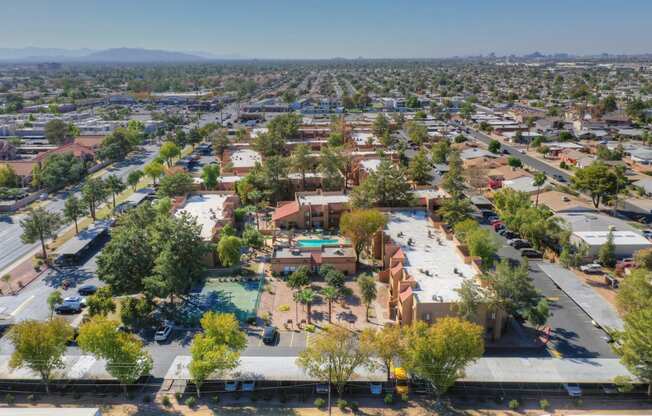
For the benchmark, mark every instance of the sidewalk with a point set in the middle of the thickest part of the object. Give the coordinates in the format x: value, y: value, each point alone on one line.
x: 21, y: 275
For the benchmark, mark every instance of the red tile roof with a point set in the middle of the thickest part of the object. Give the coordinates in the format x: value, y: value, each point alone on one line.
x: 285, y: 211
x: 76, y: 149
x: 404, y: 295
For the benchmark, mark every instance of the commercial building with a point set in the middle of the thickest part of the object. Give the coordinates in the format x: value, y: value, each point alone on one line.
x: 424, y: 268
x: 212, y: 210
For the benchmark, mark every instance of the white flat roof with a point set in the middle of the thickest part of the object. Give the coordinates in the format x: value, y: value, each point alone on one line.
x: 370, y: 165
x: 323, y: 199
x: 207, y: 209
x: 243, y: 158
x: 427, y: 254
x: 621, y: 238
x: 257, y: 131
x: 362, y: 138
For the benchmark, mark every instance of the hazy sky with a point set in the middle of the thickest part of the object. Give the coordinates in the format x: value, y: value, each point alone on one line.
x: 331, y: 28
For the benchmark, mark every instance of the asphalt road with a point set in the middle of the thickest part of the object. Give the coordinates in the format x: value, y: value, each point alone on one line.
x: 572, y: 334
x: 13, y: 249
x: 525, y: 159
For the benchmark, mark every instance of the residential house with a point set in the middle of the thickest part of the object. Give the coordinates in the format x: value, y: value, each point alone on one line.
x: 287, y: 259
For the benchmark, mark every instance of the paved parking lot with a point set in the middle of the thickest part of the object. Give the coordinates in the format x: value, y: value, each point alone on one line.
x: 573, y: 335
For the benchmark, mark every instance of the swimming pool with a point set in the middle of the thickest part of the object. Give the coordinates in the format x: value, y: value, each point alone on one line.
x: 317, y: 243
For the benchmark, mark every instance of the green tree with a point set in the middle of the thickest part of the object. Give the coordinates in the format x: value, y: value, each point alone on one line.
x: 607, y: 252
x: 302, y: 162
x: 420, y: 168
x: 54, y: 299
x: 253, y: 238
x: 117, y: 145
x: 417, y: 132
x: 598, y: 180
x: 56, y: 132
x: 360, y: 225
x: 101, y: 302
x: 114, y: 186
x: 169, y: 151
x: 126, y: 360
x: 368, y: 292
x: 217, y: 349
x: 39, y: 346
x: 176, y: 184
x: 385, y: 344
x: 456, y: 209
x: 306, y: 297
x: 134, y: 177
x: 94, y: 192
x: 135, y: 312
x: 439, y: 353
x: 634, y: 346
x: 494, y: 146
x: 512, y: 288
x: 73, y: 210
x: 8, y: 177
x: 333, y: 355
x: 440, y: 151
x: 470, y: 298
x: 330, y: 295
x: 514, y: 162
x: 228, y: 250
x: 210, y: 174
x: 387, y: 187
x: 154, y: 170
x: 539, y: 180
x: 39, y: 225
x: 331, y: 166
x: 59, y: 170
x: 481, y: 243
x: 380, y: 126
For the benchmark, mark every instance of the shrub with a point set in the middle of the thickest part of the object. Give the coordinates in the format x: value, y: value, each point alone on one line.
x: 284, y: 308
x: 166, y: 401
x: 354, y: 406
x: 405, y: 397
x: 10, y: 399
x: 342, y: 404
x: 178, y: 396
x: 544, y: 404
x: 310, y: 328
x: 320, y: 403
x: 389, y: 399
x: 191, y: 402
x: 216, y: 399
x: 514, y: 404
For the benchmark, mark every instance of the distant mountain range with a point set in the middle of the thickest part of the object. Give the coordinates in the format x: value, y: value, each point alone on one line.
x: 117, y: 55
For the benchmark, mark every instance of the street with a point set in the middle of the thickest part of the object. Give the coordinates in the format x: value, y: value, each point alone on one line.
x: 13, y: 249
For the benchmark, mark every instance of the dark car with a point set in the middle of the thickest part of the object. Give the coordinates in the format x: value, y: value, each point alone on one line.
x: 67, y: 309
x: 270, y: 333
x: 87, y: 290
x: 517, y: 243
x: 531, y: 253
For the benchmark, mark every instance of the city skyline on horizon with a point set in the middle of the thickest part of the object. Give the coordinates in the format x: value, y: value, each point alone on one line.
x: 380, y: 29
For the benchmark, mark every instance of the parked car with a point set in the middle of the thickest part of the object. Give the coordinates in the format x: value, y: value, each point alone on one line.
x: 509, y: 235
x: 77, y: 301
x: 270, y: 334
x: 494, y: 220
x: 591, y: 268
x: 531, y: 253
x: 573, y: 389
x: 519, y: 243
x: 64, y: 309
x: 87, y: 290
x: 647, y: 234
x: 498, y: 226
x: 163, y: 332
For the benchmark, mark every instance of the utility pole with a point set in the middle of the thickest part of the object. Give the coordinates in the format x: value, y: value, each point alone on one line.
x: 329, y: 387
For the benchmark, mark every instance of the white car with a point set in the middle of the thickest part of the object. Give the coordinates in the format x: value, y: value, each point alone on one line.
x: 76, y: 302
x: 591, y: 268
x: 163, y: 332
x: 573, y: 389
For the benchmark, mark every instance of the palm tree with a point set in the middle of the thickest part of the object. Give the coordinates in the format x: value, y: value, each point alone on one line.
x: 301, y: 162
x: 539, y: 180
x: 368, y: 291
x: 330, y: 294
x: 114, y: 185
x: 306, y: 297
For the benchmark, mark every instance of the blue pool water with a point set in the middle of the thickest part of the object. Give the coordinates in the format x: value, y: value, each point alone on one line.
x: 316, y: 243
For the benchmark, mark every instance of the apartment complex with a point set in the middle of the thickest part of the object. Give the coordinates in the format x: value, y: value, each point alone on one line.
x: 311, y: 210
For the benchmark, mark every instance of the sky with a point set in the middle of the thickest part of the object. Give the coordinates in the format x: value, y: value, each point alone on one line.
x: 333, y: 28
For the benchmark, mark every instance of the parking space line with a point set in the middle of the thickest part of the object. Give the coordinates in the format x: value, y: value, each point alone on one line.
x: 292, y: 338
x: 22, y: 305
